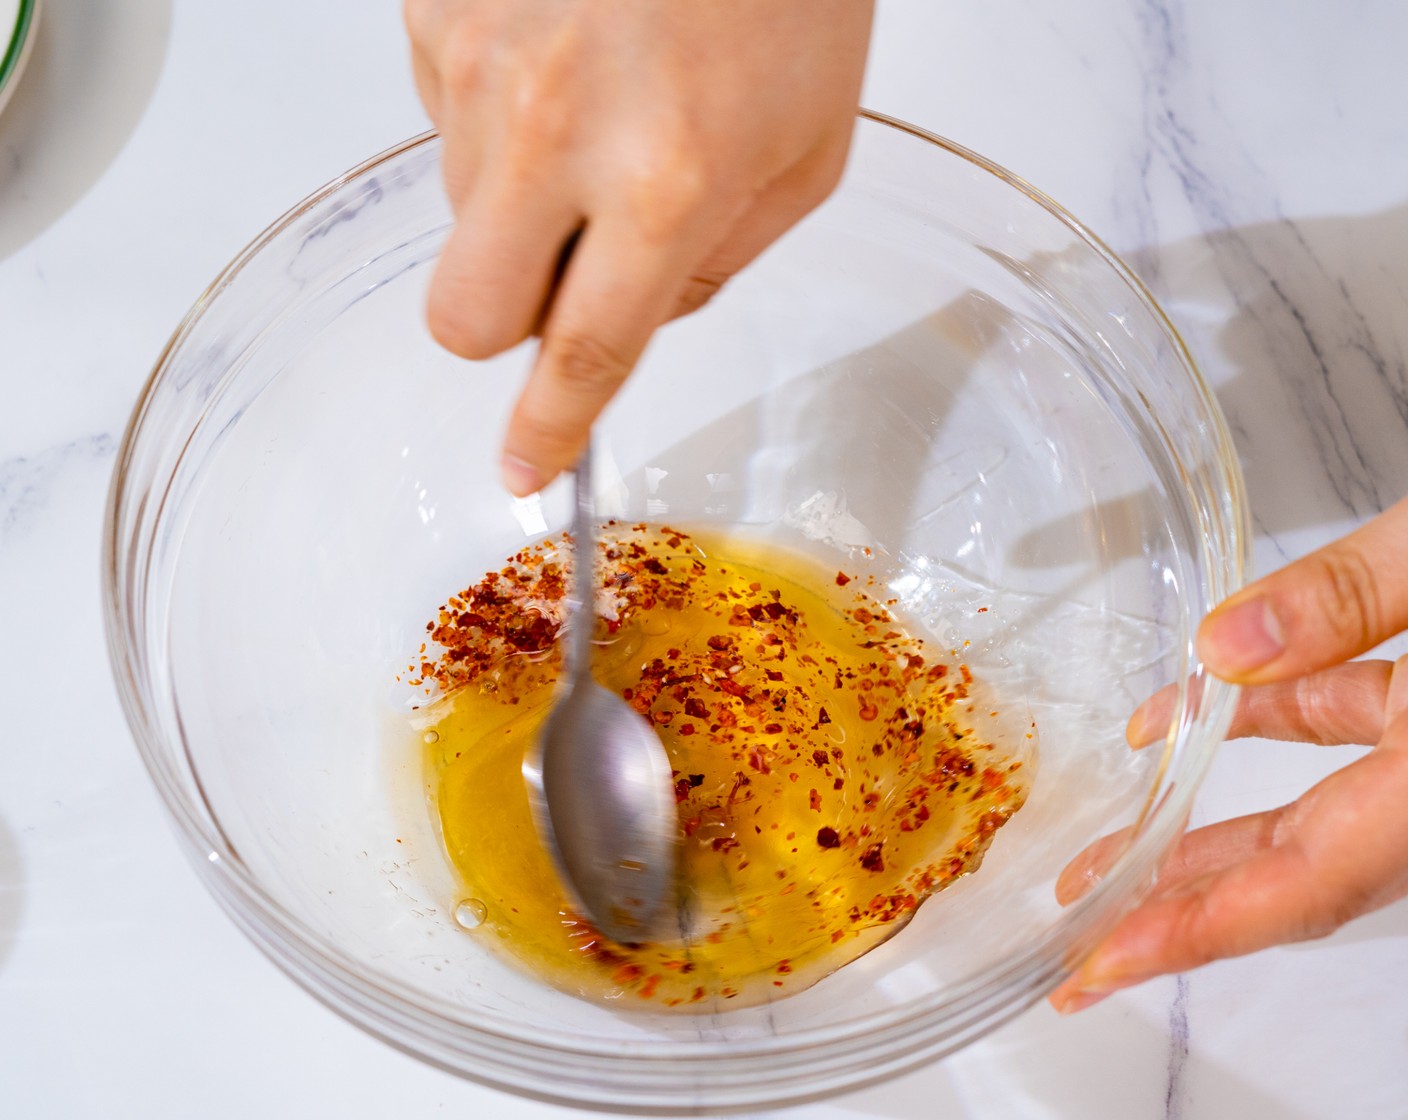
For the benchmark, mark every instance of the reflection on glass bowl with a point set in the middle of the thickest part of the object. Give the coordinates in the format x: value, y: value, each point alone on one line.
x: 938, y: 366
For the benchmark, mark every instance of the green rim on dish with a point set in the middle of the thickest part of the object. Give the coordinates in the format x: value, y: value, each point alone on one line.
x: 15, y: 48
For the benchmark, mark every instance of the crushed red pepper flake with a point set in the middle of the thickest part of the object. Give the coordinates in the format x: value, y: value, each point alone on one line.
x: 753, y: 672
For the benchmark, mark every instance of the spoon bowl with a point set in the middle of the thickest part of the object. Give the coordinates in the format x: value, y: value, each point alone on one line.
x: 603, y: 803
x: 599, y: 780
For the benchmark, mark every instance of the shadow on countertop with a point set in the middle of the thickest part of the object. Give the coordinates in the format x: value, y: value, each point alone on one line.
x: 1312, y: 369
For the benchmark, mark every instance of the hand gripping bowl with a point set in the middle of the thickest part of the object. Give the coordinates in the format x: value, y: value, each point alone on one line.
x: 939, y: 366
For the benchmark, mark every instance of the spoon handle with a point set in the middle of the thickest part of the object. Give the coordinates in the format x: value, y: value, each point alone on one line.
x: 579, y: 649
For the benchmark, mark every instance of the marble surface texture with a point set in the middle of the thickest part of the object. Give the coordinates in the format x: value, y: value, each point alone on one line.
x: 1248, y: 157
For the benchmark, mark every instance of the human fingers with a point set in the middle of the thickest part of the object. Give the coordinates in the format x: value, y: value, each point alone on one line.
x: 500, y: 264
x: 460, y: 83
x: 453, y: 46
x: 1286, y: 890
x: 1341, y: 705
x: 1336, y: 706
x: 1338, y: 852
x: 541, y: 443
x: 616, y: 289
x: 1210, y: 848
x: 1330, y: 606
x: 693, y: 112
x: 1089, y: 866
x: 775, y: 209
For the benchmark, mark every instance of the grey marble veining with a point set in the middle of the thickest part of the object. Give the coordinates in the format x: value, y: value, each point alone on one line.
x: 1249, y: 158
x: 1297, y: 320
x: 28, y: 482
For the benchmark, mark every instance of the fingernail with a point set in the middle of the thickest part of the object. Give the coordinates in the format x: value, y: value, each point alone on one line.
x: 1098, y: 978
x: 519, y: 478
x: 1138, y: 732
x: 1079, y: 1001
x: 1242, y: 638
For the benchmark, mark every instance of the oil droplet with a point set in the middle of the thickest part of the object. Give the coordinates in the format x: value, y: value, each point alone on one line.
x: 470, y: 913
x: 431, y: 737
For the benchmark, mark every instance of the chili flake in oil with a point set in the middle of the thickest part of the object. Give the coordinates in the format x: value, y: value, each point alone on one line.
x: 826, y: 778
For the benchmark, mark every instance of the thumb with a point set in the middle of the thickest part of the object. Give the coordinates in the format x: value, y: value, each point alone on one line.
x: 1322, y: 610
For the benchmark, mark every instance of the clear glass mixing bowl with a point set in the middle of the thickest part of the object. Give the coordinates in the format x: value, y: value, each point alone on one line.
x: 939, y: 365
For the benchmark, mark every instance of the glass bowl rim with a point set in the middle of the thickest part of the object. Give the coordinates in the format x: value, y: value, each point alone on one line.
x: 261, y: 916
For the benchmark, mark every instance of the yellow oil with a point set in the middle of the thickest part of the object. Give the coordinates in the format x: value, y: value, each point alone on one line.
x: 826, y: 774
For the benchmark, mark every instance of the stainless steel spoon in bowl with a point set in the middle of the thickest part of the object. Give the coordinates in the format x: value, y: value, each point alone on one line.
x: 599, y: 779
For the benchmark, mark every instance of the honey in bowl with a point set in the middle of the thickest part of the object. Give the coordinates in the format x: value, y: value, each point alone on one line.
x: 826, y: 771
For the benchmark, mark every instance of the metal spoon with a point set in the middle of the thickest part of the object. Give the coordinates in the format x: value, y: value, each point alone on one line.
x: 599, y: 779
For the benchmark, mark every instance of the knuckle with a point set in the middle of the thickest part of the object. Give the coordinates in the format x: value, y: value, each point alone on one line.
x: 687, y: 178
x: 698, y: 291
x: 667, y: 188
x: 1339, y: 911
x: 1198, y: 932
x: 1332, y: 706
x: 822, y: 177
x: 586, y: 366
x: 1321, y: 906
x: 464, y: 62
x: 1347, y: 595
x: 542, y: 103
x: 1329, y: 907
x: 463, y: 73
x: 1312, y: 710
x: 541, y: 111
x: 545, y: 437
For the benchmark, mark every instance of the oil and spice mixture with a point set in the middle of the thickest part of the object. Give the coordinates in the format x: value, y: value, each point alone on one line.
x: 826, y: 775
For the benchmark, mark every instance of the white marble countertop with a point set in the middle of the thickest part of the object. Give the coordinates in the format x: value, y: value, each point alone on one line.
x: 1248, y: 157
